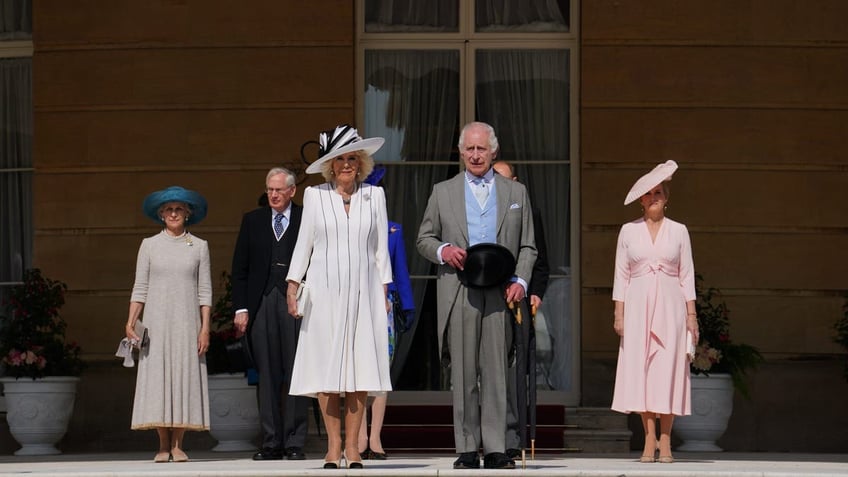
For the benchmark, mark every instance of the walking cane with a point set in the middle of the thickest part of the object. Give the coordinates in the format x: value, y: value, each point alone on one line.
x: 522, y: 330
x: 531, y: 372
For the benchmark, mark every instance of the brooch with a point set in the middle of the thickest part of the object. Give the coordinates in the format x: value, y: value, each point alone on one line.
x: 188, y: 240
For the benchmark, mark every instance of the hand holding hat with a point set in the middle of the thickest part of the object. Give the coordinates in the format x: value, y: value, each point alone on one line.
x: 487, y: 265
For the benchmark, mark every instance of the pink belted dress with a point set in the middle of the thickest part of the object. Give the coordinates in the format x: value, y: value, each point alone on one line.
x: 654, y: 280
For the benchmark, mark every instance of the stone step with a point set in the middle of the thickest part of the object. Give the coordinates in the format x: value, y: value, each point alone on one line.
x: 597, y: 441
x: 596, y: 418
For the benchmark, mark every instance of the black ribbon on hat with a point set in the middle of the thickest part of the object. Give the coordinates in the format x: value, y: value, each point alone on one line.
x: 333, y: 139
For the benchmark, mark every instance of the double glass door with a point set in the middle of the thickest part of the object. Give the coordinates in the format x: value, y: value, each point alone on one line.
x: 422, y: 76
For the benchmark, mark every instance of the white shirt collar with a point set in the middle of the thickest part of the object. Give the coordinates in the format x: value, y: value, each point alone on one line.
x: 286, y: 212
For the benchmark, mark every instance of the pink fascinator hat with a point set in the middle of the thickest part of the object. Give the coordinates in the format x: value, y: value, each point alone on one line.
x: 659, y: 174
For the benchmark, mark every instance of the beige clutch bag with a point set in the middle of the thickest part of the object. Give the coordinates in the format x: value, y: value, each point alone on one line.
x: 690, y: 347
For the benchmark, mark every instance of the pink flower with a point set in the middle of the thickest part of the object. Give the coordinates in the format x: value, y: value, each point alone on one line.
x: 30, y: 357
x: 14, y: 358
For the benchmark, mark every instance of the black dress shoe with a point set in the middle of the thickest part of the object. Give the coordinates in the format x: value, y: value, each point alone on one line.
x: 467, y: 460
x: 513, y: 453
x: 498, y: 460
x: 268, y: 454
x: 295, y: 453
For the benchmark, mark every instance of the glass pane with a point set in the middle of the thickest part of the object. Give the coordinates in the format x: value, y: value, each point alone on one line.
x: 400, y: 16
x: 15, y: 19
x: 411, y: 99
x: 521, y: 15
x: 15, y: 176
x: 524, y: 95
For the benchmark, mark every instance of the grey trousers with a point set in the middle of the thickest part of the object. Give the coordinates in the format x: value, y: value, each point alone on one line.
x: 478, y: 338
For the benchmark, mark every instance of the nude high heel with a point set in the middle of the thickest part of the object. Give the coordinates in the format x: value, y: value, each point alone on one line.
x: 353, y: 464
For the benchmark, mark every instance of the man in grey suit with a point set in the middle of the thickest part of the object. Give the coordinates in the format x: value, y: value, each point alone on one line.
x: 477, y: 206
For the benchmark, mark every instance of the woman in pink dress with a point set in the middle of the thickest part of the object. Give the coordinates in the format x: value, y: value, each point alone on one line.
x: 654, y: 296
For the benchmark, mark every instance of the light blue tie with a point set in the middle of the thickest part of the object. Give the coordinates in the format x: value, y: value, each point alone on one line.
x: 279, y: 226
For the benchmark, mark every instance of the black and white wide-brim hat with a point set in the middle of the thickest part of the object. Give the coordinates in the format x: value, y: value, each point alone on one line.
x: 340, y: 141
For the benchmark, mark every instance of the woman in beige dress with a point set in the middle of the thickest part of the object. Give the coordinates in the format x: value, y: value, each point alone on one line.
x: 173, y: 295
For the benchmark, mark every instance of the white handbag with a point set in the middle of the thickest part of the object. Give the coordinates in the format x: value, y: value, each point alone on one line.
x: 690, y: 347
x: 303, y: 301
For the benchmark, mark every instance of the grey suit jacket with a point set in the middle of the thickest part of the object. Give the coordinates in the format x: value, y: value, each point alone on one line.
x: 445, y: 221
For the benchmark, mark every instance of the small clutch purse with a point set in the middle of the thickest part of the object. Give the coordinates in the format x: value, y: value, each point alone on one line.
x: 690, y: 347
x: 127, y: 346
x: 141, y: 331
x: 303, y: 300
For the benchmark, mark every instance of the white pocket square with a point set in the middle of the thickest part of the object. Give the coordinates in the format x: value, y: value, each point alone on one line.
x: 514, y: 206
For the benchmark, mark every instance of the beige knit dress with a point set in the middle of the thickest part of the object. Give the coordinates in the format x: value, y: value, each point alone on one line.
x: 173, y: 280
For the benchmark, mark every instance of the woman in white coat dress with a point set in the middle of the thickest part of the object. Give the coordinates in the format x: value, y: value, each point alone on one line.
x: 342, y: 251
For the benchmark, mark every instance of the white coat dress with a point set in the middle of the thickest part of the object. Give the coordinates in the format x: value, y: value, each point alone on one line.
x: 343, y: 345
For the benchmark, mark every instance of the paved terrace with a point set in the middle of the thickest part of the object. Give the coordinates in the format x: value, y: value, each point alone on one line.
x: 207, y: 463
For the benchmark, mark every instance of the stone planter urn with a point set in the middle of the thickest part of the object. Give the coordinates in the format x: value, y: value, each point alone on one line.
x: 38, y: 411
x: 233, y: 412
x: 712, y: 404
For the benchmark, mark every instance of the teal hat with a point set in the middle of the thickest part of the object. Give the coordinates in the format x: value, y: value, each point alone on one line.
x: 194, y: 200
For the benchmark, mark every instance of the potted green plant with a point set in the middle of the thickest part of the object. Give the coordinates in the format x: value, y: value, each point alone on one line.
x: 41, y: 368
x: 234, y: 411
x: 718, y: 367
x: 841, y: 337
x: 716, y: 352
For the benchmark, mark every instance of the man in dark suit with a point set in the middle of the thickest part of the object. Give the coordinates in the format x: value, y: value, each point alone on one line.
x: 477, y: 206
x: 260, y: 263
x: 535, y: 292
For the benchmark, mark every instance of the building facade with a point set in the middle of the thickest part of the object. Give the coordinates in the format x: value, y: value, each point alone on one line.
x: 748, y: 97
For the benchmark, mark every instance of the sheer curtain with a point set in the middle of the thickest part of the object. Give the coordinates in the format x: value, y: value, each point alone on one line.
x: 15, y: 19
x: 412, y: 99
x: 523, y: 15
x: 411, y: 15
x: 15, y: 169
x: 524, y: 95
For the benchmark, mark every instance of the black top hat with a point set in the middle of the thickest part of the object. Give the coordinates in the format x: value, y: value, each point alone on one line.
x: 487, y: 265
